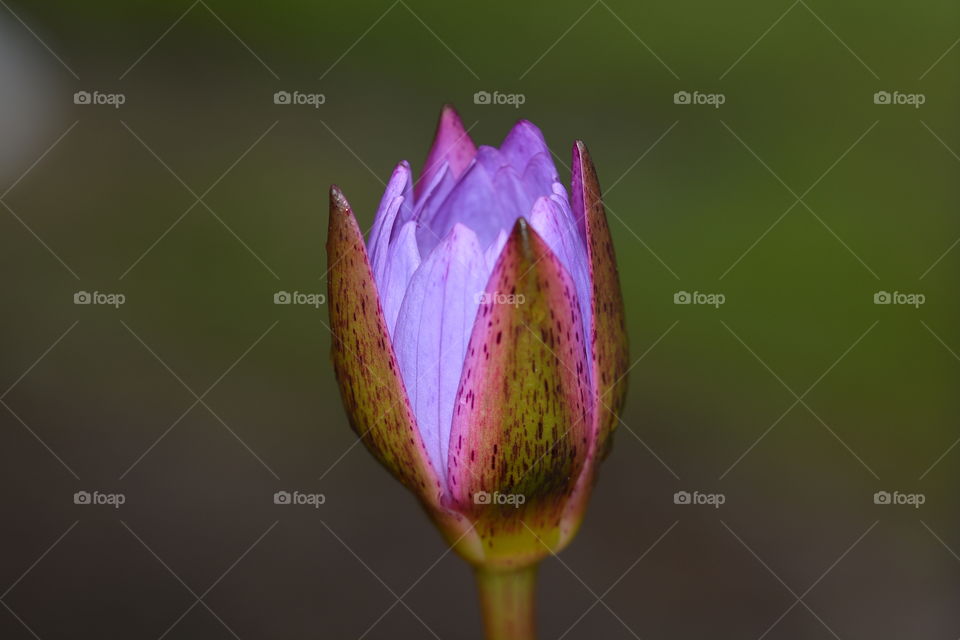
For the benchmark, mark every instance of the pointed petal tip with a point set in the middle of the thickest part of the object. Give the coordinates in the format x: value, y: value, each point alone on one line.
x: 449, y: 116
x: 452, y: 146
x: 402, y: 166
x: 450, y: 122
x: 521, y: 230
x: 523, y: 122
x: 531, y: 244
x: 450, y: 119
x: 580, y: 153
x: 340, y: 219
x: 338, y: 201
x: 525, y: 128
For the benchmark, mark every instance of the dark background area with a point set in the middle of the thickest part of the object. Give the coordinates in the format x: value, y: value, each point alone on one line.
x: 797, y: 399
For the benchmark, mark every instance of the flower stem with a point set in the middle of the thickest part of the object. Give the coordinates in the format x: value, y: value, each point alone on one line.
x: 507, y: 599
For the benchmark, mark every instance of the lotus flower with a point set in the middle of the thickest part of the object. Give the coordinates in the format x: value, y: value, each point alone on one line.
x: 480, y: 348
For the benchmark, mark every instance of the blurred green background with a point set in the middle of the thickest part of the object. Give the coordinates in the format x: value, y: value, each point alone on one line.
x: 701, y: 199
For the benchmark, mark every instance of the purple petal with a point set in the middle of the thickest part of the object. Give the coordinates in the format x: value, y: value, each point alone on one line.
x: 452, y: 147
x: 494, y: 250
x: 513, y: 199
x: 498, y: 188
x: 488, y: 198
x: 523, y: 143
x: 432, y: 331
x: 472, y: 202
x: 402, y: 261
x: 380, y: 243
x: 383, y: 222
x: 540, y: 176
x: 431, y: 200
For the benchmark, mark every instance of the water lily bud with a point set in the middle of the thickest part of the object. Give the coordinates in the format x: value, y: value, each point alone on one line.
x: 479, y: 340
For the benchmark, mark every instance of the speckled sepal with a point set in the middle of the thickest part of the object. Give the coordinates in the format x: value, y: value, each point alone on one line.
x: 524, y: 411
x: 363, y: 359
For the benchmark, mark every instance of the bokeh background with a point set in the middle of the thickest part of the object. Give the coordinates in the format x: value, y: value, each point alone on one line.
x: 199, y: 198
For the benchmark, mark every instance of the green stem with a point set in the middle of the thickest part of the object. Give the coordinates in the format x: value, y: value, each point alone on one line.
x: 507, y: 599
